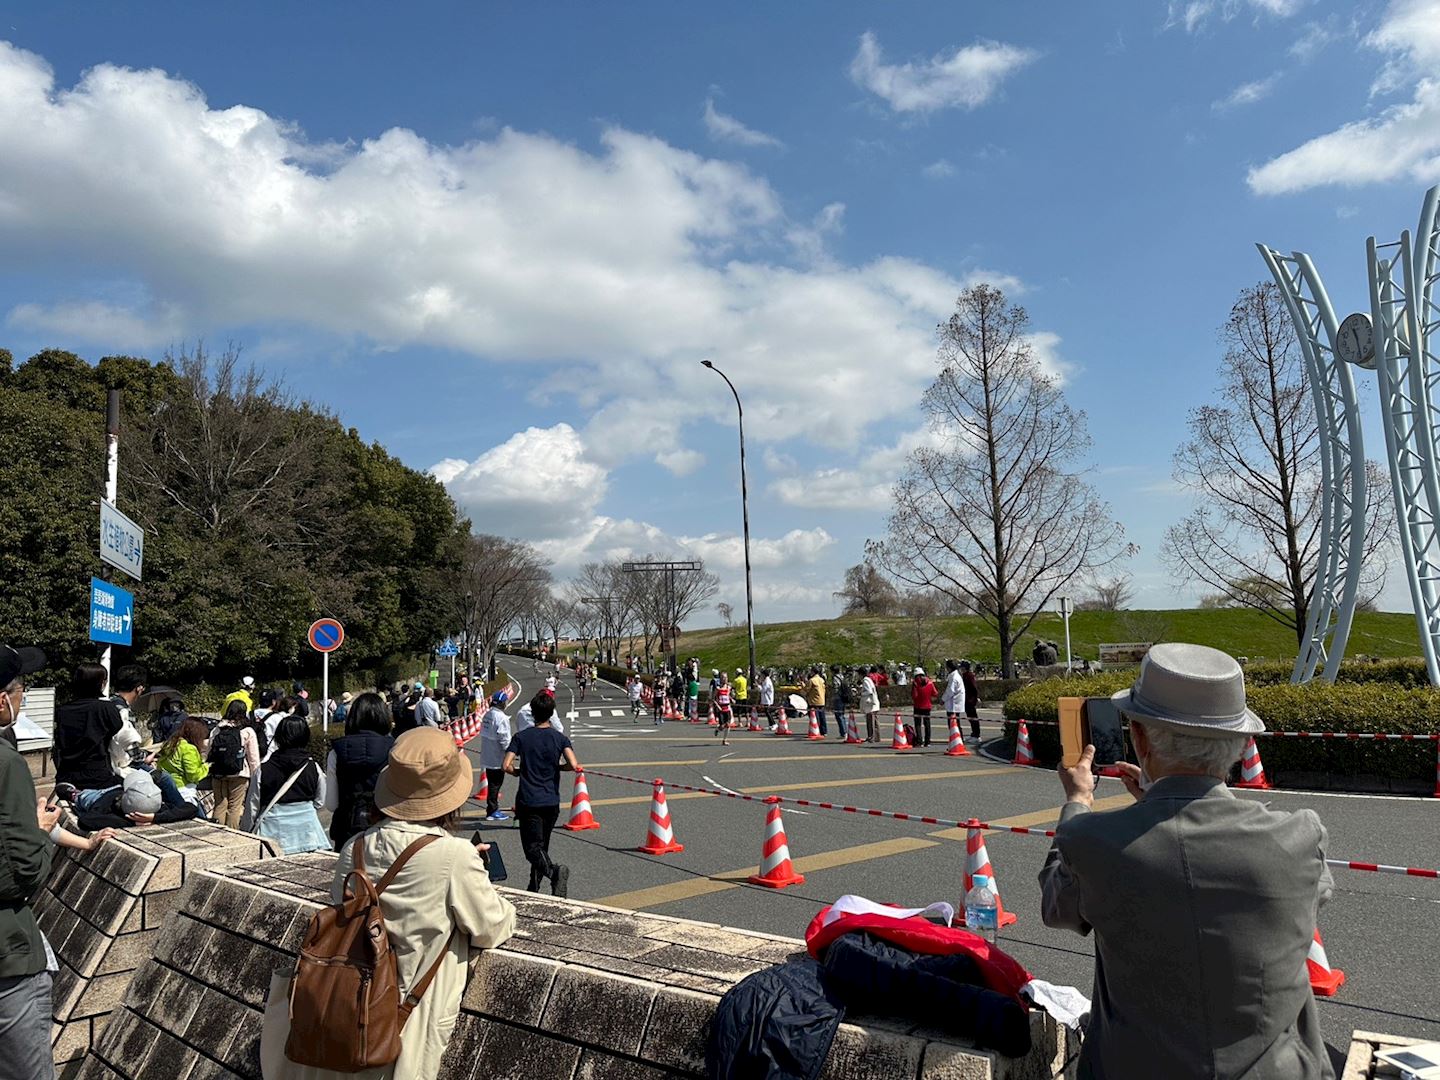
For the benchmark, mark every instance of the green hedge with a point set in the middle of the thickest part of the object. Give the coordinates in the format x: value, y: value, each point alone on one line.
x: 1377, y: 707
x: 1409, y: 671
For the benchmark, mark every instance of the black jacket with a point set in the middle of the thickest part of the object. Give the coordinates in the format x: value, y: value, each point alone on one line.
x: 281, y: 767
x: 106, y: 814
x: 358, y: 761
x: 25, y: 854
x: 83, y: 730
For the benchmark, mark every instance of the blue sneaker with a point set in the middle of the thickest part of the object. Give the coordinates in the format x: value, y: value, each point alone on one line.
x: 498, y: 815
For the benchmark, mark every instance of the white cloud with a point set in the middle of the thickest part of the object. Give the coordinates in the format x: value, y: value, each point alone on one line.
x: 727, y: 551
x: 966, y: 78
x: 1401, y: 141
x: 680, y: 462
x: 115, y: 326
x: 1316, y: 38
x: 939, y: 170
x: 1194, y: 14
x: 724, y: 128
x: 635, y: 256
x: 1247, y: 93
x: 863, y: 486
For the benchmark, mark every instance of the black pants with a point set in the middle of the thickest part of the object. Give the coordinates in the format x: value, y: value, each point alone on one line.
x: 536, y: 825
x: 922, y: 726
x: 495, y: 778
x: 973, y: 715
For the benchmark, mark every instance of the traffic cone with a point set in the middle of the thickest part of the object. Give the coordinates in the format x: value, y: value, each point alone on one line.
x: 814, y: 727
x: 1252, y: 772
x: 1324, y: 980
x: 1023, y: 754
x: 900, y: 741
x: 776, y: 869
x: 580, y: 816
x: 483, y: 795
x: 956, y: 747
x: 712, y: 721
x: 660, y: 840
x: 977, y: 861
x: 783, y: 726
x: 852, y: 739
x: 755, y: 724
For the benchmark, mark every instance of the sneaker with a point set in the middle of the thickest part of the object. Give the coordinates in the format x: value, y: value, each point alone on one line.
x: 560, y: 881
x: 498, y: 815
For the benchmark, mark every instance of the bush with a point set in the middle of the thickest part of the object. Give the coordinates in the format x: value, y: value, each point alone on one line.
x: 1407, y: 671
x: 1381, y: 707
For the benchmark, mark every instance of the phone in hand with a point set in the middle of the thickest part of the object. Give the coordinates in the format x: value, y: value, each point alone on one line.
x: 1091, y: 722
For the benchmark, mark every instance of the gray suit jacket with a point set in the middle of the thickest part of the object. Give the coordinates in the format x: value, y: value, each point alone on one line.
x: 1203, y: 907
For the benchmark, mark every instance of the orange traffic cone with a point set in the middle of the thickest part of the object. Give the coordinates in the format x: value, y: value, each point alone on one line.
x: 1324, y: 980
x: 1023, y: 754
x: 900, y: 741
x: 660, y: 839
x: 814, y: 727
x: 483, y: 795
x: 713, y: 722
x: 977, y: 861
x: 783, y: 727
x: 755, y: 724
x: 852, y: 739
x: 1252, y: 772
x: 776, y: 869
x: 956, y: 747
x: 580, y: 816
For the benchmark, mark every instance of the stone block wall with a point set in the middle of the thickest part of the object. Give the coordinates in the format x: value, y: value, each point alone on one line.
x: 582, y: 992
x: 102, y: 912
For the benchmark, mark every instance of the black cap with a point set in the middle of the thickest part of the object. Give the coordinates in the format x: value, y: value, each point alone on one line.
x: 17, y: 662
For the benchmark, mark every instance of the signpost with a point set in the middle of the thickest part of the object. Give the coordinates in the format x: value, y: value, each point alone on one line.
x: 112, y: 613
x: 122, y: 542
x: 450, y: 649
x: 326, y: 635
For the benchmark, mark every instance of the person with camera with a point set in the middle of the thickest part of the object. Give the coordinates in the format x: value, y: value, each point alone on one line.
x: 1203, y: 905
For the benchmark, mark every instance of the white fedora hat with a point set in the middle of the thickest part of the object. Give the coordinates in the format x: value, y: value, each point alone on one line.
x: 1194, y: 689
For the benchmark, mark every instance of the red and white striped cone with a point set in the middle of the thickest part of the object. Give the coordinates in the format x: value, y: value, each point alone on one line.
x: 1324, y: 980
x: 580, y: 816
x: 483, y: 795
x: 814, y: 727
x: 852, y: 739
x: 977, y: 861
x: 776, y: 869
x: 712, y: 722
x: 900, y: 741
x: 755, y: 724
x: 783, y: 726
x: 1023, y: 754
x: 956, y: 747
x: 660, y: 839
x: 1252, y: 772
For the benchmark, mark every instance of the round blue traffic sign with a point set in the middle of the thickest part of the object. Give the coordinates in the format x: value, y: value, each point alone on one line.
x: 326, y: 635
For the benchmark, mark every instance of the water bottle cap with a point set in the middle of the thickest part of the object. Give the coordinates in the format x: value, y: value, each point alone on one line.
x: 982, y: 881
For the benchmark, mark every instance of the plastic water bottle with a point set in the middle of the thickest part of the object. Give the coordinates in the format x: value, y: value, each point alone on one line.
x: 982, y: 912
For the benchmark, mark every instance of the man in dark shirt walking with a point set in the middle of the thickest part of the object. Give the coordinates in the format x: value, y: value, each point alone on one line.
x: 536, y: 755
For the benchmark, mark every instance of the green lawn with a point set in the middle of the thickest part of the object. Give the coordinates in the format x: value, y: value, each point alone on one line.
x: 854, y: 640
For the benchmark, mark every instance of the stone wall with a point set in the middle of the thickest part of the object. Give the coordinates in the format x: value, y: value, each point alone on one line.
x: 102, y: 912
x: 582, y: 992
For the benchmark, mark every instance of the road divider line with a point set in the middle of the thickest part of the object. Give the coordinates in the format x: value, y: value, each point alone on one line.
x: 1038, y: 817
x: 734, y: 879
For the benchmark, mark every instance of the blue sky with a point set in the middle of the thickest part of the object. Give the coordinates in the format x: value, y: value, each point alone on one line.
x: 499, y: 238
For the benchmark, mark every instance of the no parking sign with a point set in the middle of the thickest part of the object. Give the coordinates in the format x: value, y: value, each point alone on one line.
x: 326, y: 635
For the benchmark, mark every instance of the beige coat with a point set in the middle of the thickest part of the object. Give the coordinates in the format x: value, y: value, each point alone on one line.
x: 442, y: 888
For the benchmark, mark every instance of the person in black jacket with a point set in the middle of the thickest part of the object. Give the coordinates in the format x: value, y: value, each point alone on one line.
x: 137, y: 802
x: 353, y: 766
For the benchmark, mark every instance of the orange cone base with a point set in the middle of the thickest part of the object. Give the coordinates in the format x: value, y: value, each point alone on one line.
x: 959, y: 751
x: 852, y: 741
x: 1253, y: 785
x: 1325, y: 983
x: 898, y: 749
x: 777, y: 882
x: 660, y: 849
x: 817, y: 737
x: 582, y: 826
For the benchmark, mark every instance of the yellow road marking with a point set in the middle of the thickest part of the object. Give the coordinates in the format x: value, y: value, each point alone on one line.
x: 732, y: 879
x: 1038, y: 817
x: 809, y: 785
x: 738, y: 760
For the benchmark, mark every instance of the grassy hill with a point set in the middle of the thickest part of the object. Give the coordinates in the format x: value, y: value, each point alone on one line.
x: 857, y: 639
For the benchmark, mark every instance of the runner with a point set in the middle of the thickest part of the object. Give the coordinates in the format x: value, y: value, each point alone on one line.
x: 722, y: 709
x: 551, y: 682
x: 582, y: 676
x: 635, y: 688
x: 661, y: 687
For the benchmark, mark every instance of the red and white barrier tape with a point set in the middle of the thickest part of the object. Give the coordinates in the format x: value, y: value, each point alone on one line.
x: 1374, y: 868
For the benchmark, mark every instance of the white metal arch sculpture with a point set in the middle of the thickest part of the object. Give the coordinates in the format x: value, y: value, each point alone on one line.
x: 1342, y: 466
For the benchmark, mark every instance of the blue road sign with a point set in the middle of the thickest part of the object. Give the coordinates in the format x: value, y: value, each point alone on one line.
x: 112, y: 613
x: 448, y: 648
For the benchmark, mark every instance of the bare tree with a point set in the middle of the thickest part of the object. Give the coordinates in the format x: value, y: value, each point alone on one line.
x: 1253, y: 460
x: 610, y: 597
x: 499, y: 580
x: 1114, y: 594
x: 988, y: 514
x: 921, y: 609
x: 866, y: 591
x: 726, y: 612
x: 555, y: 614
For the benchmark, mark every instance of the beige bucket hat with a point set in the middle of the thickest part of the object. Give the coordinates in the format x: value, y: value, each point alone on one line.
x: 1193, y: 689
x: 427, y: 777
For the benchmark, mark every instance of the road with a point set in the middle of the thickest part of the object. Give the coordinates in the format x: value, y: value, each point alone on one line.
x: 1381, y: 930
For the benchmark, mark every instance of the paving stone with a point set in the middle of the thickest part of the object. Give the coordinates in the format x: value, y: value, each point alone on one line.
x: 182, y: 944
x: 205, y: 1069
x: 598, y: 1009
x: 244, y: 1053
x: 72, y: 1041
x: 510, y: 986
x: 946, y: 1061
x: 678, y: 1028
x: 268, y: 917
x: 859, y: 1054
x: 102, y: 994
x: 210, y: 1027
x: 465, y: 1042
x: 127, y: 1040
x: 618, y: 922
x: 595, y: 1065
x: 92, y: 1068
x: 512, y: 1053
x: 703, y: 962
x: 127, y: 952
x: 65, y: 991
x: 254, y: 979
x: 169, y: 1057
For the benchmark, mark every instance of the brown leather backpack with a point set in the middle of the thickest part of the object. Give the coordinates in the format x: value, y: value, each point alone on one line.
x: 345, y: 1008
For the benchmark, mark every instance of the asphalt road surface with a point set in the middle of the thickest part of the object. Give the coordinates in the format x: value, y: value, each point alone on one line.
x: 1382, y: 930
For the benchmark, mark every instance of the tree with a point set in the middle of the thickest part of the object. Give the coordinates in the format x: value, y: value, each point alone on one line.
x: 726, y: 612
x: 1253, y: 461
x: 1112, y: 595
x: 987, y: 513
x: 498, y: 580
x: 867, y: 591
x: 922, y: 609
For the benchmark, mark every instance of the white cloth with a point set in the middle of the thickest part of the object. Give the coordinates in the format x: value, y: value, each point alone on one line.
x: 767, y: 692
x: 120, y: 744
x: 272, y: 721
x: 954, y: 697
x: 524, y: 719
x: 494, y: 737
x: 869, y: 696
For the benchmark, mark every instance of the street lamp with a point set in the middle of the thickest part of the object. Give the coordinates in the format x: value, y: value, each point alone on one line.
x: 744, y: 515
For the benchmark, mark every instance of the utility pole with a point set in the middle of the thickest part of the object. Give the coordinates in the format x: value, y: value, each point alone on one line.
x: 112, y: 480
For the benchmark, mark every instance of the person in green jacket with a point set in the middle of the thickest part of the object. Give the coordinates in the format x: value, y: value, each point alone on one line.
x: 183, y: 755
x: 26, y: 962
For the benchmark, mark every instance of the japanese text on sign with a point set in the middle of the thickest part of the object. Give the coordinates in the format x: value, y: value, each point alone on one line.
x: 122, y: 542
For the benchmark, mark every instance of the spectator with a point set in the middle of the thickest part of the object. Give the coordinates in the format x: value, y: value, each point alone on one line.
x: 971, y: 695
x: 183, y: 756
x: 1202, y: 905
x: 427, y: 710
x: 299, y: 700
x: 265, y: 704
x: 26, y: 964
x: 286, y: 791
x: 245, y: 694
x: 84, y: 726
x: 128, y: 684
x: 815, y: 697
x: 137, y: 801
x: 343, y: 709
x: 954, y: 697
x: 692, y: 697
x: 402, y: 718
x: 767, y: 697
x: 353, y: 766
x: 741, y: 687
x: 870, y: 705
x: 525, y: 719
x: 494, y: 739
x: 922, y: 700
x: 840, y: 700
x: 234, y: 755
x: 440, y: 904
x: 536, y: 755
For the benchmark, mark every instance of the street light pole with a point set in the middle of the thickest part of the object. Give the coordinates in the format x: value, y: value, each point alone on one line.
x: 744, y: 516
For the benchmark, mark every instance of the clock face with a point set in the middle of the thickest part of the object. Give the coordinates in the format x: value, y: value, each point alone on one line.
x: 1355, y: 342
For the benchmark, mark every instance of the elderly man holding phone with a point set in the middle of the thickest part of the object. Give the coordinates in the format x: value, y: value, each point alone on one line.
x: 1203, y: 905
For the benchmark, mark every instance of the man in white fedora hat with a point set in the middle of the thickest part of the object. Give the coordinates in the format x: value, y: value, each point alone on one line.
x: 1203, y: 905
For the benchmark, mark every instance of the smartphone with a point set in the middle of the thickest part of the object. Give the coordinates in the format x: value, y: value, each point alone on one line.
x: 1094, y: 722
